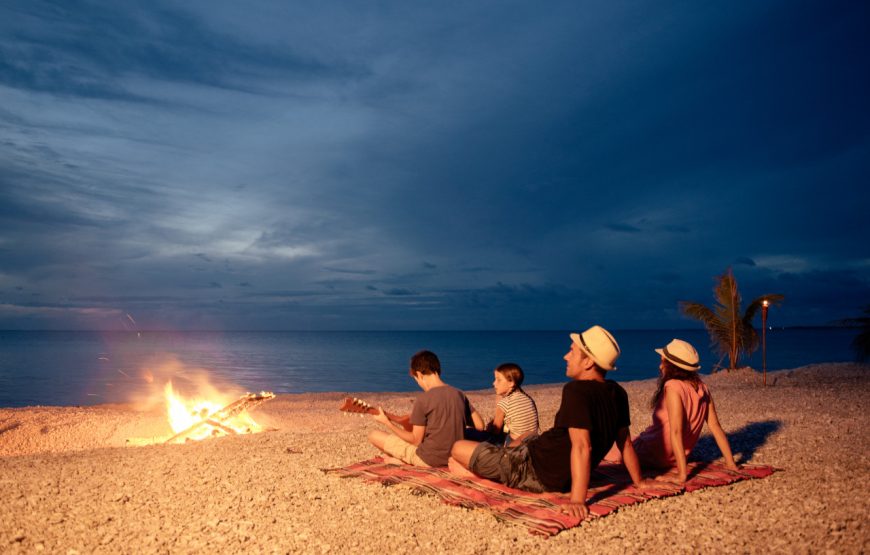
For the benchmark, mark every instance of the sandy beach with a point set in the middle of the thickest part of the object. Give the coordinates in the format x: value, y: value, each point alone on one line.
x: 71, y: 484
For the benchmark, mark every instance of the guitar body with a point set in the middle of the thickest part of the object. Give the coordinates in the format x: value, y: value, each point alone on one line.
x: 354, y: 405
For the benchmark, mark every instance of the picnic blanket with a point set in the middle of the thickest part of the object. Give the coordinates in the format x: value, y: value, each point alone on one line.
x: 610, y: 488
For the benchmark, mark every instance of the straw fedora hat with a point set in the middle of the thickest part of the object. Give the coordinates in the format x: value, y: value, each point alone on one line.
x: 599, y: 345
x: 681, y: 354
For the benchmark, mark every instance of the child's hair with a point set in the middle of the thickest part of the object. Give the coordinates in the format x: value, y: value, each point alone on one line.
x: 512, y: 373
x: 425, y: 362
x: 672, y: 372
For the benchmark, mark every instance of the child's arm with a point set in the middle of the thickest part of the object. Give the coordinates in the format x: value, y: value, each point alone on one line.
x: 497, y: 424
x: 719, y: 436
x: 676, y: 415
x: 478, y: 421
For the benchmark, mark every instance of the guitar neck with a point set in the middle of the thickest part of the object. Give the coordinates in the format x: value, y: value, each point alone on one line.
x: 361, y: 407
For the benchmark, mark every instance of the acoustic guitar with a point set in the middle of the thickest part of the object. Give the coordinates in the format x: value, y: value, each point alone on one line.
x: 354, y: 405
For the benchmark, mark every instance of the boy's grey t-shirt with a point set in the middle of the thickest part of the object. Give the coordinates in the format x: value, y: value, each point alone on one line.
x: 444, y: 410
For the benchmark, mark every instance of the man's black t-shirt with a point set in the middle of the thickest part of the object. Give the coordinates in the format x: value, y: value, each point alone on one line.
x: 601, y: 408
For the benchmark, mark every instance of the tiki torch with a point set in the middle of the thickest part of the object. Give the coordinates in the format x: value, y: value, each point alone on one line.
x: 764, y: 306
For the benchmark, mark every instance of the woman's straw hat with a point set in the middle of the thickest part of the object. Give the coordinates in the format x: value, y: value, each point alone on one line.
x: 599, y: 345
x: 681, y: 354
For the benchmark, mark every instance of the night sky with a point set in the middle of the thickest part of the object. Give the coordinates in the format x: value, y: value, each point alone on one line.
x: 448, y: 165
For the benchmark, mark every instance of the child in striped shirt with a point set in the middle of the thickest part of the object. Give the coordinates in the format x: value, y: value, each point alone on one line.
x: 516, y: 414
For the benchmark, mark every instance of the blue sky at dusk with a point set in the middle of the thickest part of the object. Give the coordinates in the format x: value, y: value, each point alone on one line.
x: 448, y: 165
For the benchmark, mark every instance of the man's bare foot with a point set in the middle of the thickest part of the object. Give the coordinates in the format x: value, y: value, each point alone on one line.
x: 456, y: 468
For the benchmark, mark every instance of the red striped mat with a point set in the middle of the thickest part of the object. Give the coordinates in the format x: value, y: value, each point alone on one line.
x: 609, y: 489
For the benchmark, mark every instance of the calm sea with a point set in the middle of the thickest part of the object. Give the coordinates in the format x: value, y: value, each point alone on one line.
x: 87, y: 368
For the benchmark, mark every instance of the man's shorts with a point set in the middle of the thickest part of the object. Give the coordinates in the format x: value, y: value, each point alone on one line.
x: 402, y: 450
x: 512, y: 466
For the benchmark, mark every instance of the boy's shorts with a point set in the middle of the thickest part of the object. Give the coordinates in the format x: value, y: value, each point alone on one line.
x: 512, y: 466
x: 402, y: 450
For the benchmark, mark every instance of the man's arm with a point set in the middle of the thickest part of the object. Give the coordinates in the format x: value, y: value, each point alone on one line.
x: 581, y: 468
x: 414, y: 437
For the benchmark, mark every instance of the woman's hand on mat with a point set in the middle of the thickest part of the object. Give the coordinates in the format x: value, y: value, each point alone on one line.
x: 646, y: 483
x: 576, y: 509
x: 667, y: 479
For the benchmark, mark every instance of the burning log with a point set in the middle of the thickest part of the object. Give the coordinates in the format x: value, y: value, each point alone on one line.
x: 217, y: 419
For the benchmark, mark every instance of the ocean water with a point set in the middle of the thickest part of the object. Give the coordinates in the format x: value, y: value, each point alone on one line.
x: 87, y: 368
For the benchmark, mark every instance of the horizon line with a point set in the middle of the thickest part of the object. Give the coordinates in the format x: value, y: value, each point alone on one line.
x: 561, y: 330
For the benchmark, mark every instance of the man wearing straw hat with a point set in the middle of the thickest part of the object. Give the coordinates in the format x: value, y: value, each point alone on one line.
x: 593, y: 414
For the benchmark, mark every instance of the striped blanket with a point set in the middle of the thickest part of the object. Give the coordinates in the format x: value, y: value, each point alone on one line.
x: 609, y: 489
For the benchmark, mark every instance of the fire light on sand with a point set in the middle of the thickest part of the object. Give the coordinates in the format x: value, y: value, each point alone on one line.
x: 196, y: 418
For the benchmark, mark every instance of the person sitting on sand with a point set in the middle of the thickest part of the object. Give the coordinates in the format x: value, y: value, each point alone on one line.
x: 439, y: 418
x: 516, y: 415
x: 593, y: 414
x: 681, y: 405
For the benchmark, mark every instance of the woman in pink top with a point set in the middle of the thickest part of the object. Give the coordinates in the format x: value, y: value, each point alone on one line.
x: 681, y: 405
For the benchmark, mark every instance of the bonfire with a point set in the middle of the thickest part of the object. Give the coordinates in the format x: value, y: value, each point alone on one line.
x: 196, y: 419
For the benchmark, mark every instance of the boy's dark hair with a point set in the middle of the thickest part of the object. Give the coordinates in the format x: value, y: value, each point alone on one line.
x: 512, y: 373
x: 425, y: 362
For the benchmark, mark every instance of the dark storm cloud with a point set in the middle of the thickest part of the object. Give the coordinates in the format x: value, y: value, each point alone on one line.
x: 398, y: 292
x: 82, y: 48
x: 349, y: 271
x: 482, y: 165
x: 623, y: 228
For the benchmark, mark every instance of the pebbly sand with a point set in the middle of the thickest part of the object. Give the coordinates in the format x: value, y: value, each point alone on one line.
x: 69, y: 484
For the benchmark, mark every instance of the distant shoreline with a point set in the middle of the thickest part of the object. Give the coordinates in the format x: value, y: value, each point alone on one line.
x: 615, y: 330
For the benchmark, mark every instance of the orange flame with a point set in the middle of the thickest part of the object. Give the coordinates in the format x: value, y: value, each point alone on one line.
x: 184, y: 413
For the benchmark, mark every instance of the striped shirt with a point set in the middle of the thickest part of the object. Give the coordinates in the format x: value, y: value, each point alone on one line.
x: 520, y: 413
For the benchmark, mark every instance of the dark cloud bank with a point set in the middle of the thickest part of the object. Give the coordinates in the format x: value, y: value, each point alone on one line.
x: 470, y: 166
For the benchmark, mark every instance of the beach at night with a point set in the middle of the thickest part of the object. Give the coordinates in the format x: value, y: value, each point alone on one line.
x: 73, y: 484
x: 218, y: 221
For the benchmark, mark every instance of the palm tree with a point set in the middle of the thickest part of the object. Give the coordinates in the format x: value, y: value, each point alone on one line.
x: 861, y: 343
x: 730, y: 333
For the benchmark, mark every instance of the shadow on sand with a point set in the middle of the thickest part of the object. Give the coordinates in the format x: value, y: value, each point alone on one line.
x: 744, y: 442
x: 8, y: 427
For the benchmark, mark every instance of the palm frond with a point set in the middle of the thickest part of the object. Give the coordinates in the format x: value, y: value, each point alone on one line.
x: 750, y: 337
x: 773, y: 299
x: 730, y: 332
